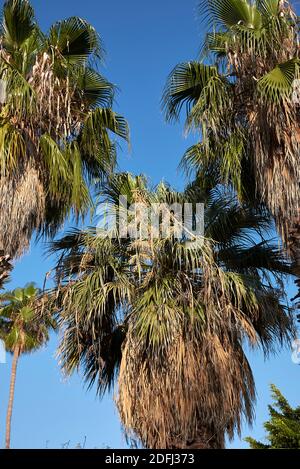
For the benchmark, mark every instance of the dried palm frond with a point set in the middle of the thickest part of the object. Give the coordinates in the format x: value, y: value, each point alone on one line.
x: 168, y: 319
x: 56, y: 124
x: 245, y: 103
x: 5, y: 268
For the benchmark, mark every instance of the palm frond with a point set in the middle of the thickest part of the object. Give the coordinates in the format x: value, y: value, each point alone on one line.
x: 18, y: 23
x: 184, y: 87
x: 165, y: 316
x: 76, y: 40
x: 230, y: 13
x: 96, y: 89
x: 277, y: 85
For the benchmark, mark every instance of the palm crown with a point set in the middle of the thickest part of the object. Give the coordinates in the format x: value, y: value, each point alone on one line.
x: 55, y: 123
x: 241, y: 97
x: 24, y: 324
x: 169, y: 316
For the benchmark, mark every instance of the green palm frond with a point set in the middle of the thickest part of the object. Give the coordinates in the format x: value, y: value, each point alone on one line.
x: 76, y: 40
x: 18, y: 23
x: 95, y: 143
x: 277, y: 85
x: 124, y: 184
x: 229, y: 223
x: 268, y: 7
x: 216, y: 43
x: 57, y: 165
x: 24, y: 323
x: 21, y: 98
x: 12, y: 147
x: 230, y: 13
x: 196, y: 158
x: 213, y: 104
x: 111, y: 121
x: 260, y: 257
x: 185, y: 85
x: 220, y: 160
x: 96, y: 89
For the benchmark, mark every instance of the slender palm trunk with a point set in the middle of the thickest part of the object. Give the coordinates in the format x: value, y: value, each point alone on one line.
x: 11, y: 395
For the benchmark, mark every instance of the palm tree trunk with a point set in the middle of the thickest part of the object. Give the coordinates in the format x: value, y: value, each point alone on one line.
x: 11, y: 395
x: 205, y: 439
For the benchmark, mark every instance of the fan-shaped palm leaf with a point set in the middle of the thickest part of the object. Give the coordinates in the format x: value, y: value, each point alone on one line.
x: 75, y: 39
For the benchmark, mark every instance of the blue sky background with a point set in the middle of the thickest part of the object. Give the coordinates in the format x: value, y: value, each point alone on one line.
x: 144, y: 41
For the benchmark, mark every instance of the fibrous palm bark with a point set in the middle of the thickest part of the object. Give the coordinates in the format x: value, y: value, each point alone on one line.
x: 5, y: 268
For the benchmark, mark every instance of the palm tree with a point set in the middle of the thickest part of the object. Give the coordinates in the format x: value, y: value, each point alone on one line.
x: 56, y: 123
x: 168, y: 316
x: 24, y: 328
x: 243, y: 96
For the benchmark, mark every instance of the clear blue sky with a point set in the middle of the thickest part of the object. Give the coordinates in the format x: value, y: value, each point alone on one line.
x: 144, y: 40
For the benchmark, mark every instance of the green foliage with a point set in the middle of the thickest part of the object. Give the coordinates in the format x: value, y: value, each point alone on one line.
x: 283, y: 428
x: 58, y: 133
x: 229, y: 13
x: 239, y: 96
x: 170, y: 313
x: 24, y: 322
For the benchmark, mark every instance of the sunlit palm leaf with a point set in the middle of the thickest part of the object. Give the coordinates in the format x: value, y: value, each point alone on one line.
x: 231, y: 13
x: 268, y: 7
x: 277, y: 85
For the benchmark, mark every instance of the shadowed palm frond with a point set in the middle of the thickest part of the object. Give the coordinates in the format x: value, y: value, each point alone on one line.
x: 76, y: 40
x: 184, y: 87
x: 18, y: 23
